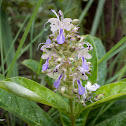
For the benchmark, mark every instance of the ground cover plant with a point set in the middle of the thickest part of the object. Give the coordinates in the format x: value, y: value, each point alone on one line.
x: 67, y: 84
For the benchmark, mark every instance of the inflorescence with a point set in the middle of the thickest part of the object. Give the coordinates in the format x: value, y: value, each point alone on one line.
x: 66, y: 52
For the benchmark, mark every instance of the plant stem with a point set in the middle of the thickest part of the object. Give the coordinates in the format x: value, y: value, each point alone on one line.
x: 72, y: 117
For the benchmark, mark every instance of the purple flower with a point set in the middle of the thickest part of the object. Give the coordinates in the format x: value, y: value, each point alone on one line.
x: 61, y: 38
x: 84, y: 65
x: 81, y: 89
x: 57, y: 82
x: 48, y: 42
x: 45, y: 65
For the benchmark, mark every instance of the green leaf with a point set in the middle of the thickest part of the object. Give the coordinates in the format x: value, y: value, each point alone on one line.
x: 2, y: 77
x: 93, y: 60
x: 102, y: 71
x: 25, y: 109
x: 31, y: 64
x: 32, y: 90
x: 117, y: 107
x: 117, y: 120
x: 111, y: 92
x: 80, y: 121
x: 7, y: 41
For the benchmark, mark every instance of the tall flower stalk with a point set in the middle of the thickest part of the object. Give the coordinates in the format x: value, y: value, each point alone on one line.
x: 66, y: 54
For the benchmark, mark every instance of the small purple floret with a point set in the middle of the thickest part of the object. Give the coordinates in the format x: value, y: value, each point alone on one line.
x: 56, y: 83
x: 61, y: 38
x: 81, y: 89
x: 48, y: 42
x: 84, y: 65
x: 45, y: 65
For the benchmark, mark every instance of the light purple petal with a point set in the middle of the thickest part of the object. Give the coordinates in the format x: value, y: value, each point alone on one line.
x: 81, y: 89
x: 56, y: 83
x: 61, y: 38
x: 45, y: 65
x: 84, y: 64
x: 48, y: 42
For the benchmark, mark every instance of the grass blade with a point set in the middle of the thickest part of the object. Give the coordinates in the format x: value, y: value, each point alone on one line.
x: 85, y: 11
x: 24, y: 37
x: 97, y: 17
x: 14, y: 40
x: 105, y: 57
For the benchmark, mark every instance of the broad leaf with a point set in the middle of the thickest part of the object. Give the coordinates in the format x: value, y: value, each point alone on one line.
x: 101, y: 67
x: 25, y: 109
x: 111, y: 91
x: 93, y: 60
x: 114, y: 109
x: 117, y: 120
x: 31, y: 64
x: 32, y: 90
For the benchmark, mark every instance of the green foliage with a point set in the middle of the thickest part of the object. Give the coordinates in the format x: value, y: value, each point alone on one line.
x: 31, y: 64
x: 24, y: 36
x: 111, y: 91
x: 25, y: 109
x: 93, y: 60
x: 6, y: 39
x: 80, y: 121
x: 117, y: 120
x: 101, y: 67
x: 32, y: 90
x: 17, y: 93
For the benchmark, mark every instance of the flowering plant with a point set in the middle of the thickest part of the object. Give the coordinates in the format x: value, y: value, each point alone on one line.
x: 66, y: 52
x: 70, y: 67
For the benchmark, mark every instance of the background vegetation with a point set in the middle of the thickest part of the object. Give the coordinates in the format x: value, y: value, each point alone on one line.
x: 105, y: 19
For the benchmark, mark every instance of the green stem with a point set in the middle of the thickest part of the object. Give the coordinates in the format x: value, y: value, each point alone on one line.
x: 24, y: 37
x: 67, y: 96
x: 72, y: 117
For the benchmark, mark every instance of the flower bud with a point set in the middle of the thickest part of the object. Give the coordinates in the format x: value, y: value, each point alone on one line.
x: 59, y: 60
x: 98, y: 97
x: 78, y: 38
x: 72, y: 49
x: 68, y: 36
x: 75, y: 90
x: 51, y: 36
x: 82, y: 101
x: 89, y: 63
x: 71, y: 59
x: 75, y: 21
x: 66, y: 53
x: 63, y: 89
x: 57, y: 47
